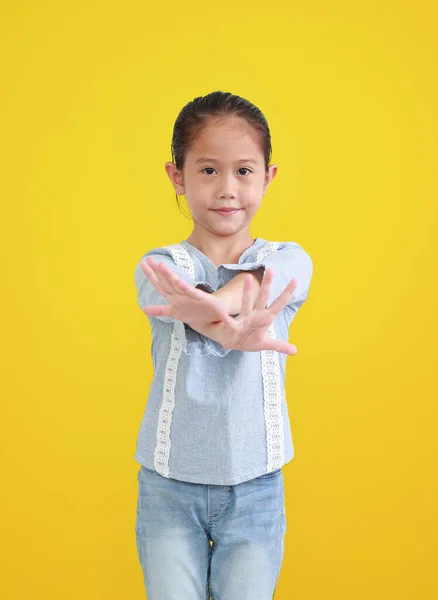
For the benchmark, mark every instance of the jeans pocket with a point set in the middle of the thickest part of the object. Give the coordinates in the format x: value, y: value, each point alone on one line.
x: 147, y: 470
x: 270, y: 475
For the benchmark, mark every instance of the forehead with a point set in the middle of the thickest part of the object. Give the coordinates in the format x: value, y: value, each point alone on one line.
x: 229, y: 139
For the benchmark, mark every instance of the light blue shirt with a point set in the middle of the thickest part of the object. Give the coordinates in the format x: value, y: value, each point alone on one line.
x: 214, y: 415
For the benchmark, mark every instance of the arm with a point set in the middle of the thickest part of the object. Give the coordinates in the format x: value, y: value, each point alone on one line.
x: 232, y: 291
x: 289, y: 261
x: 209, y: 316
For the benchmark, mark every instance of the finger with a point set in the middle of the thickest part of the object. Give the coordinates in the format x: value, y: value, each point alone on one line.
x: 178, y: 285
x: 153, y: 266
x: 153, y: 278
x: 247, y: 300
x: 158, y: 311
x: 161, y: 273
x: 265, y: 290
x: 280, y: 302
x: 280, y: 346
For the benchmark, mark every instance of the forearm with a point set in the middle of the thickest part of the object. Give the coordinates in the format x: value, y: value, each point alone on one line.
x: 231, y: 292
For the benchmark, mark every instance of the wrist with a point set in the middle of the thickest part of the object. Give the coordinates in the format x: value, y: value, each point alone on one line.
x: 231, y: 292
x: 228, y: 300
x: 225, y: 298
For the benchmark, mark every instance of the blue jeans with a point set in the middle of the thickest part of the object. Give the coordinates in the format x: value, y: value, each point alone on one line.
x: 195, y: 539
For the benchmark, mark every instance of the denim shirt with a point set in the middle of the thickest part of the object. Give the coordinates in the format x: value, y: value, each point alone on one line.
x: 215, y: 415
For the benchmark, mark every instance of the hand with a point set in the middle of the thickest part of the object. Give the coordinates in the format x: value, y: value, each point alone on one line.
x: 187, y: 303
x: 249, y: 331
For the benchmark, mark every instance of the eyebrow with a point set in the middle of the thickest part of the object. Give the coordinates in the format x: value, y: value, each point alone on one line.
x: 203, y: 159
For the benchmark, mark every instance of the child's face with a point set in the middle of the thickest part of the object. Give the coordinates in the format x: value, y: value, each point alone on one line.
x: 216, y: 176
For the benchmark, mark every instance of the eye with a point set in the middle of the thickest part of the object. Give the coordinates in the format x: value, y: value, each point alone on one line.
x: 213, y: 169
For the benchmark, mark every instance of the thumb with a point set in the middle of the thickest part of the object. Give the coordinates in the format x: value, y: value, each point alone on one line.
x: 280, y: 346
x: 158, y: 311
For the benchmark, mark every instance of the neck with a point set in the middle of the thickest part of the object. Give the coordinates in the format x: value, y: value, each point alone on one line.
x: 221, y: 249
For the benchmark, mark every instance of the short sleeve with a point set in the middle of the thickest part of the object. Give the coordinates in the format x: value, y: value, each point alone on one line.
x: 194, y: 343
x: 288, y: 260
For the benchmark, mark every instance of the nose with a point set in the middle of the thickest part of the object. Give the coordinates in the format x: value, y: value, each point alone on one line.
x: 227, y: 186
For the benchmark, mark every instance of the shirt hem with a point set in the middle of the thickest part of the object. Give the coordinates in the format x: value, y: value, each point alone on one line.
x: 190, y: 478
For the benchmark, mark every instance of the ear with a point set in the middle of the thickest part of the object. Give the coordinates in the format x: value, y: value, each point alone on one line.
x: 272, y: 172
x: 175, y: 177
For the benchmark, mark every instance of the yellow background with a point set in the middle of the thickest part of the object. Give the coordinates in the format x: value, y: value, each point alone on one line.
x: 90, y: 92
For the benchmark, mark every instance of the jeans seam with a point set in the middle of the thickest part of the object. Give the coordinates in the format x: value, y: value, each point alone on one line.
x: 210, y: 590
x: 282, y: 532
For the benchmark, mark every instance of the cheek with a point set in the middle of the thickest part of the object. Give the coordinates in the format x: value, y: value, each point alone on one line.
x: 254, y: 195
x: 252, y: 209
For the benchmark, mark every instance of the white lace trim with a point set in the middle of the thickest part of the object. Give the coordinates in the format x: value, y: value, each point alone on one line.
x: 271, y: 377
x: 270, y: 368
x: 163, y: 444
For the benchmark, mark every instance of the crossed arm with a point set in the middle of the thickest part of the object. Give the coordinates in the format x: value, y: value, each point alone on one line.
x: 232, y: 291
x: 246, y: 294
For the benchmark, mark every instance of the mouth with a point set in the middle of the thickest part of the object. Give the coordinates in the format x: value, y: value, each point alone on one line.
x: 227, y: 211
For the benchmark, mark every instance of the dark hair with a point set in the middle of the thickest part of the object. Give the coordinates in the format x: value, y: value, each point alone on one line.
x: 194, y: 115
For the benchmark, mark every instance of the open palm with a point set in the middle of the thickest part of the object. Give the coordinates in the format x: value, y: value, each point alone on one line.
x: 186, y: 303
x: 249, y: 331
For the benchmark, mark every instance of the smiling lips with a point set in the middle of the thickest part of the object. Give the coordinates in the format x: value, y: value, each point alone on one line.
x: 227, y: 211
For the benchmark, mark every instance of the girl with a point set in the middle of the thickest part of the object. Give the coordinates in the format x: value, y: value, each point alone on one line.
x: 215, y: 433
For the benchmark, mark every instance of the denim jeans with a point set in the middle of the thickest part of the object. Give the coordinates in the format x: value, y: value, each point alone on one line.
x: 194, y: 539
